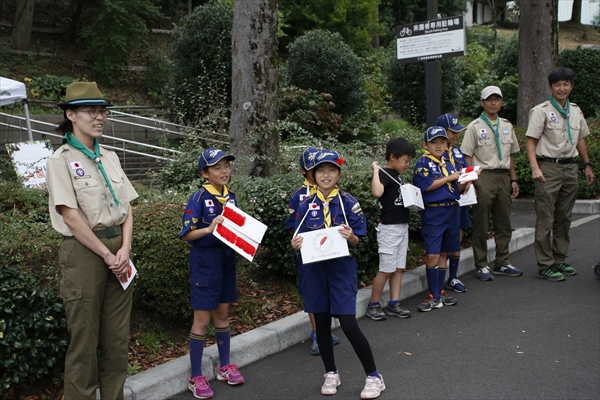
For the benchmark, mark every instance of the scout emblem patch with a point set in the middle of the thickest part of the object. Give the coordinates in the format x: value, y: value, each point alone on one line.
x: 505, y: 131
x: 483, y: 133
x: 552, y: 116
x: 433, y: 166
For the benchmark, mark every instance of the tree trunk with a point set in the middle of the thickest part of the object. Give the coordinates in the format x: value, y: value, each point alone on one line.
x: 576, y: 12
x: 538, y: 53
x: 21, y: 32
x: 254, y: 88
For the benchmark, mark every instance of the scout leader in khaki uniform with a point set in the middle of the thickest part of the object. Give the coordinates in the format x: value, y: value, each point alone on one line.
x: 554, y: 137
x: 89, y: 206
x: 490, y: 143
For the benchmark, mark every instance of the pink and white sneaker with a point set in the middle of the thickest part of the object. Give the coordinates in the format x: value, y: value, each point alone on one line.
x: 230, y: 374
x: 200, y: 388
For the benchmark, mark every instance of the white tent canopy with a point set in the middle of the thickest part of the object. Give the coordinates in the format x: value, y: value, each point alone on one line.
x: 12, y: 91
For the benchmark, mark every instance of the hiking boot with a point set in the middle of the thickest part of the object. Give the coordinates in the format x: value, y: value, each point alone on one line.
x: 565, y: 269
x: 376, y: 313
x: 484, y: 274
x: 508, y: 270
x: 430, y: 303
x: 314, y: 347
x: 447, y: 300
x: 457, y: 286
x: 373, y: 387
x: 551, y: 274
x: 332, y: 381
x: 200, y: 388
x: 397, y: 310
x: 230, y: 374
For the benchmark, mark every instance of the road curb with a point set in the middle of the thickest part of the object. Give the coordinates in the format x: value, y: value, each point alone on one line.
x: 170, y: 379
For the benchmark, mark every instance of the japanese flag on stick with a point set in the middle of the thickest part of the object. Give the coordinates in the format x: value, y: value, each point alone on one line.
x: 240, y: 231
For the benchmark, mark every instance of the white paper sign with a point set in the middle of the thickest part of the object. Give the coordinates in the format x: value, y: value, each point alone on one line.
x: 468, y: 174
x: 240, y: 231
x: 323, y: 244
x: 29, y: 160
x: 411, y: 197
x: 130, y: 275
x: 468, y: 197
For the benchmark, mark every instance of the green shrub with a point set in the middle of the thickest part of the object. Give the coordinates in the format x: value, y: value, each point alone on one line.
x: 470, y: 101
x: 320, y: 60
x: 584, y: 62
x: 33, y: 335
x: 474, y: 63
x: 49, y: 87
x: 200, y: 78
x: 504, y: 62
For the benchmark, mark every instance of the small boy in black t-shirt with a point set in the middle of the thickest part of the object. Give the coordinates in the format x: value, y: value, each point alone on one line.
x: 392, y: 231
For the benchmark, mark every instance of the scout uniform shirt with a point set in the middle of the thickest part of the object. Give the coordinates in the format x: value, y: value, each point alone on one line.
x: 75, y: 181
x: 550, y: 128
x: 426, y: 172
x: 201, y: 209
x: 299, y: 195
x: 480, y: 143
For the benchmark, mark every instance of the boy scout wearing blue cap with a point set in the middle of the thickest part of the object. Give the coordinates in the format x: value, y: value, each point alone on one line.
x: 308, y: 189
x: 440, y: 220
x: 455, y: 155
x: 212, y: 270
x: 329, y: 287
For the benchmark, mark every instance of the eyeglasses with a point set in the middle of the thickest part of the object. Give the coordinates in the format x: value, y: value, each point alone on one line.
x: 493, y: 99
x: 94, y: 112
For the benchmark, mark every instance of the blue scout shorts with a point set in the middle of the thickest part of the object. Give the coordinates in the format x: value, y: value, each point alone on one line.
x: 212, y: 277
x: 440, y: 227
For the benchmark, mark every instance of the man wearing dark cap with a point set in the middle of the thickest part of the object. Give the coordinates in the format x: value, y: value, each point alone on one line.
x: 490, y: 143
x: 555, y: 135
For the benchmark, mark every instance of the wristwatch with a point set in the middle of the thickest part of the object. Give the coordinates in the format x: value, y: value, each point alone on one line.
x: 588, y: 163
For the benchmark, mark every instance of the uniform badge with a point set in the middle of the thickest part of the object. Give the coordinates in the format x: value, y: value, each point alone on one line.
x: 211, y: 210
x: 194, y: 220
x: 314, y: 213
x: 356, y: 209
x: 314, y: 206
x: 186, y: 223
x: 303, y: 196
x: 75, y: 164
x: 209, y: 203
x: 505, y: 131
x: 433, y: 167
x: 552, y: 116
x: 457, y: 153
x: 193, y: 228
x: 483, y: 133
x: 79, y: 171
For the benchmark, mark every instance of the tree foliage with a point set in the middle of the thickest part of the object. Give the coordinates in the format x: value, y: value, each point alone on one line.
x: 584, y: 62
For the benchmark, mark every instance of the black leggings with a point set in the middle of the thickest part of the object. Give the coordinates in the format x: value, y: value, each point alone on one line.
x: 357, y: 339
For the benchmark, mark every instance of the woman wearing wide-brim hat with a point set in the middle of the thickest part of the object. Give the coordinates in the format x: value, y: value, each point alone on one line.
x: 89, y: 206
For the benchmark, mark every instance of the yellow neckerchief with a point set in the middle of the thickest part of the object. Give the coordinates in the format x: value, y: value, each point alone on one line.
x: 223, y: 198
x: 326, y: 213
x: 442, y: 165
x: 451, y: 156
x: 310, y: 188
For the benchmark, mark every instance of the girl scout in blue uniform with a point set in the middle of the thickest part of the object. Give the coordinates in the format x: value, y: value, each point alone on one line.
x: 308, y: 189
x: 440, y: 220
x: 212, y: 270
x: 329, y: 287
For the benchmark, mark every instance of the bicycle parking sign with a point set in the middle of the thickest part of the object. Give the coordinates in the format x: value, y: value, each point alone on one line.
x: 431, y: 40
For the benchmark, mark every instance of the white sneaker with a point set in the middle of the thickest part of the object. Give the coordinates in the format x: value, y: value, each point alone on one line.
x: 373, y: 387
x: 332, y: 381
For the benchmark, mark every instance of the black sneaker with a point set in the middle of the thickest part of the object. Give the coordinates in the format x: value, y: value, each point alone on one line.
x: 397, y: 310
x: 430, y: 303
x: 376, y: 313
x: 447, y: 300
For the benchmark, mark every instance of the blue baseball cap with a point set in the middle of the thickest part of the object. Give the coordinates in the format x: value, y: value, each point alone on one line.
x: 434, y: 132
x: 307, y: 158
x: 449, y: 121
x: 328, y: 156
x: 210, y: 157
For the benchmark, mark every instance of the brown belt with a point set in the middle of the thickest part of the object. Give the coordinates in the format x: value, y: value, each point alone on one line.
x: 445, y: 204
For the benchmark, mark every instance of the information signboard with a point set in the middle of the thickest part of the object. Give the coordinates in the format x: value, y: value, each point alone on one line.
x: 431, y: 40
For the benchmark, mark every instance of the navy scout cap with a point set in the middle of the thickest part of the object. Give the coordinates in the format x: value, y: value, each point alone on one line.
x: 434, y: 132
x: 449, y: 121
x: 210, y: 157
x: 328, y: 156
x: 307, y: 158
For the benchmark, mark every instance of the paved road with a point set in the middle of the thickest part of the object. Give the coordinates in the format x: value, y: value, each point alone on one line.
x: 513, y: 338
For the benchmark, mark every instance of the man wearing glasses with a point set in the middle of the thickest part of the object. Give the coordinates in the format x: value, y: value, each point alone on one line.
x: 490, y: 143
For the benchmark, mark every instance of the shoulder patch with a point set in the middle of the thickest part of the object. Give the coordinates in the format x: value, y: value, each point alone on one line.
x: 356, y: 209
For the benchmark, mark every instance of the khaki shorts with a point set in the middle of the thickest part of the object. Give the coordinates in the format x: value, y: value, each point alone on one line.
x: 393, y: 245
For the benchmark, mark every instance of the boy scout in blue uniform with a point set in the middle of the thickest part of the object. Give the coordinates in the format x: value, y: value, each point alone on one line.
x: 440, y: 220
x: 212, y: 270
x: 329, y: 287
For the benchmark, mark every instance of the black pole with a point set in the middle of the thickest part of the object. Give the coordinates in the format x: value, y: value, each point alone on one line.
x: 433, y: 76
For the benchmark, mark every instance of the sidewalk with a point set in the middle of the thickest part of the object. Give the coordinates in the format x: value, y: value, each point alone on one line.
x: 170, y: 379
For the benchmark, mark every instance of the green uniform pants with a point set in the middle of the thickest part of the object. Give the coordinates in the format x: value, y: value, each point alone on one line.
x: 493, y: 196
x: 554, y: 201
x: 98, y: 313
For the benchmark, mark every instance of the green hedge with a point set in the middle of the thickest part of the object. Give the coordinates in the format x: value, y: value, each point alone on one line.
x: 584, y: 62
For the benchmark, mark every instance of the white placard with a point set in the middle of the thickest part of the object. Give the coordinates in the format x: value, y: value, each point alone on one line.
x: 240, y: 231
x: 411, y: 197
x: 29, y: 160
x: 468, y: 197
x: 323, y: 244
x: 469, y: 174
x: 130, y: 275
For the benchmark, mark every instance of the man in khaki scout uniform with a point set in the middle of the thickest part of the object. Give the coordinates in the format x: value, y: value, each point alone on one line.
x: 554, y: 137
x: 490, y: 143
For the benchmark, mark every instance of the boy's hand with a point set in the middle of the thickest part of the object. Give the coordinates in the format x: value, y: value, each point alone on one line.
x: 454, y: 176
x: 375, y: 165
x: 218, y: 220
x: 297, y: 242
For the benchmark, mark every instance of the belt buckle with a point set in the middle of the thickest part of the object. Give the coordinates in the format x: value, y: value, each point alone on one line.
x: 557, y: 160
x: 110, y: 232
